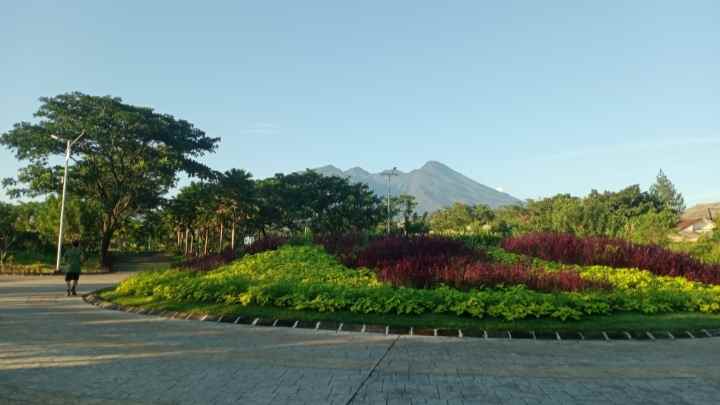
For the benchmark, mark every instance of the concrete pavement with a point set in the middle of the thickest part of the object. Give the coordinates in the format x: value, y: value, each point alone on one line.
x: 60, y: 350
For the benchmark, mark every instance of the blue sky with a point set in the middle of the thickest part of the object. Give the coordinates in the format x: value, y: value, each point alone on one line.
x: 535, y: 97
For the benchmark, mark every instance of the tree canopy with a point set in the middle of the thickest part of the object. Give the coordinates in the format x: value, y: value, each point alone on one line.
x: 461, y: 218
x: 128, y: 158
x: 664, y: 191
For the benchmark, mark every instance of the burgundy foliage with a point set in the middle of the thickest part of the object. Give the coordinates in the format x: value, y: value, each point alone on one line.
x: 213, y: 261
x: 208, y: 262
x: 422, y: 248
x: 425, y: 262
x: 345, y: 246
x: 270, y: 242
x: 489, y: 274
x: 570, y: 249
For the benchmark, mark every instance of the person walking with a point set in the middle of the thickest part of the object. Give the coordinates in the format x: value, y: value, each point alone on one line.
x: 73, y: 259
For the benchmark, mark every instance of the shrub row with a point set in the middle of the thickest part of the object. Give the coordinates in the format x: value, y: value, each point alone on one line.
x: 344, y: 246
x: 570, y: 249
x: 213, y: 261
x: 208, y: 262
x: 423, y: 248
x: 305, y: 277
x: 264, y: 244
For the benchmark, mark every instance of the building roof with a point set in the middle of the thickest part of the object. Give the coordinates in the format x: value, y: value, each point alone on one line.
x: 685, y: 223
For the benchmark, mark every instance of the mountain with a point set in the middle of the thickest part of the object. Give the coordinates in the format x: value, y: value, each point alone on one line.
x: 434, y: 186
x: 701, y: 211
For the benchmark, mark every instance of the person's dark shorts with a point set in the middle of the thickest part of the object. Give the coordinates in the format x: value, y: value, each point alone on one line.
x: 72, y: 276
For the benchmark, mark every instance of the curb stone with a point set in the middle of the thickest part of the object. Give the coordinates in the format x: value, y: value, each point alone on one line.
x: 94, y: 299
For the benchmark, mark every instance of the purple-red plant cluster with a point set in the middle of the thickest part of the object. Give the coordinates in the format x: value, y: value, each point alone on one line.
x: 570, y: 249
x: 489, y: 274
x: 345, y: 246
x: 424, y: 262
x: 423, y: 248
x: 208, y: 262
x: 415, y: 261
x: 264, y: 244
x: 213, y: 261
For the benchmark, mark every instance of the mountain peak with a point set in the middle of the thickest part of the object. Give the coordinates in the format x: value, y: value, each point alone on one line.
x: 358, y: 170
x: 434, y: 185
x: 434, y: 165
x: 328, y: 167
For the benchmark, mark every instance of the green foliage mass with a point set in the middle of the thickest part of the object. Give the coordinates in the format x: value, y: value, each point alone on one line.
x: 630, y: 213
x: 461, y: 219
x: 707, y: 249
x: 307, y: 278
x: 126, y: 160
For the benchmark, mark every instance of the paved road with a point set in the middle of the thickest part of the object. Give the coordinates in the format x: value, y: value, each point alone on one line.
x: 58, y: 350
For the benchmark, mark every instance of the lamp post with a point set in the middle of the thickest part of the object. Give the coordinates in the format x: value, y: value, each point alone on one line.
x: 389, y: 174
x: 68, y: 149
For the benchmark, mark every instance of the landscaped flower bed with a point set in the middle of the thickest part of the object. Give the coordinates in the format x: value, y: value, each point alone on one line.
x: 570, y: 249
x: 307, y: 278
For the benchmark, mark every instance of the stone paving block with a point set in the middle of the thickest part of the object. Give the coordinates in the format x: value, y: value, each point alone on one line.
x: 545, y: 336
x: 352, y: 327
x: 329, y: 325
x: 448, y: 332
x: 423, y: 332
x: 307, y: 324
x: 243, y: 320
x: 661, y: 334
x: 640, y: 335
x: 504, y: 334
x: 399, y: 330
x: 522, y: 335
x: 593, y: 336
x: 284, y: 323
x: 379, y: 329
x: 617, y: 336
x: 571, y: 336
x: 266, y: 322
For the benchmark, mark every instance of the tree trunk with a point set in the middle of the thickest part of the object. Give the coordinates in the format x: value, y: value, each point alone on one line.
x: 187, y: 246
x: 105, y: 259
x: 192, y: 239
x: 207, y: 236
x: 232, y: 237
x: 222, y: 234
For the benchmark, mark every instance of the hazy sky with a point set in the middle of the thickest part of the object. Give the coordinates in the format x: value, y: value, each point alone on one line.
x: 536, y: 97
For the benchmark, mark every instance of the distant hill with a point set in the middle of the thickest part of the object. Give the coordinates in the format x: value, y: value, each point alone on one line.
x: 434, y: 186
x: 701, y: 211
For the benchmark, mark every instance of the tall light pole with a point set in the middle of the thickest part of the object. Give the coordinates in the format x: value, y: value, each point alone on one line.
x: 68, y: 149
x: 389, y: 174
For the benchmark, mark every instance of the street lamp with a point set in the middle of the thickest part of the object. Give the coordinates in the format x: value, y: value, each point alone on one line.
x: 388, y: 174
x: 68, y: 148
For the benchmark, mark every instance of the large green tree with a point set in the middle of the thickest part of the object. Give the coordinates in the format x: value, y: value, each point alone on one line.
x: 461, y: 218
x: 404, y: 206
x: 237, y: 202
x: 664, y: 190
x: 322, y: 204
x: 8, y: 217
x: 128, y: 158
